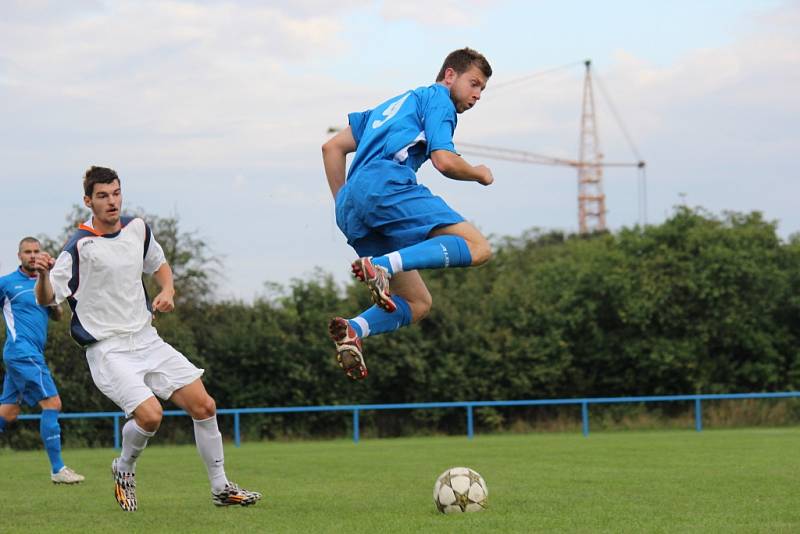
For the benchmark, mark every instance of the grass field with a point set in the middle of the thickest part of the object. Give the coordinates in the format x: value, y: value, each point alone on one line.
x: 744, y: 480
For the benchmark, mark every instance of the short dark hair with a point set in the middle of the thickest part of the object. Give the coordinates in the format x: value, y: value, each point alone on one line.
x: 97, y: 175
x: 461, y: 60
x: 28, y: 239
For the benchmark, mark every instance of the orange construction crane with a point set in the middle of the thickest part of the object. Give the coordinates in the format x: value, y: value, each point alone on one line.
x: 591, y: 198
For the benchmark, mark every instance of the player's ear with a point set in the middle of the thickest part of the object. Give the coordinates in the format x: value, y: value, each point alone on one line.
x: 87, y: 201
x: 450, y: 76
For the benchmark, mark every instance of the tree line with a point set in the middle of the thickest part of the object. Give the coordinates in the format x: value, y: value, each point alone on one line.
x: 701, y: 303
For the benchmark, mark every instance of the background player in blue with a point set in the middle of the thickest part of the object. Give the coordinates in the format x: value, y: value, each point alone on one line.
x: 395, y: 224
x: 27, y: 378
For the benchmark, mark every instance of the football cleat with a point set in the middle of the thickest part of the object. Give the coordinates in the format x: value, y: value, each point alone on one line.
x: 232, y: 495
x: 376, y: 279
x: 348, y: 348
x: 124, y: 487
x: 66, y: 476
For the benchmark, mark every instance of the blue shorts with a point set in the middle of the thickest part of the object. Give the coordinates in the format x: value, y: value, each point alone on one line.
x: 28, y: 380
x: 382, y: 208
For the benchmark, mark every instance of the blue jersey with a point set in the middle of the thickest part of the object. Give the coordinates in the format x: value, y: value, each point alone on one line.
x: 404, y: 129
x: 26, y: 320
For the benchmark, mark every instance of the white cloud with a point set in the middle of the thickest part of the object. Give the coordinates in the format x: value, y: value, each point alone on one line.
x: 452, y: 13
x: 182, y: 81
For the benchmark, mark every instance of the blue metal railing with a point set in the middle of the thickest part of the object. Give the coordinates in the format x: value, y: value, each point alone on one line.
x: 468, y: 405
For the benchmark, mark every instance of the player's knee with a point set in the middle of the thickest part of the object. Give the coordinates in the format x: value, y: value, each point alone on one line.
x: 10, y: 417
x: 150, y: 418
x: 205, y: 408
x: 9, y: 412
x: 51, y: 403
x: 420, y: 307
x: 481, y: 251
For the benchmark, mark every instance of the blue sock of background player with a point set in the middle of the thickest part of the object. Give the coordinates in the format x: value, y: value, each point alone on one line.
x: 51, y: 437
x: 50, y: 431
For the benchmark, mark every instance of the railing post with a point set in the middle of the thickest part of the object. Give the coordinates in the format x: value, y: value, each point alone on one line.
x: 470, y: 433
x: 116, y: 432
x: 698, y: 415
x: 355, y: 426
x: 585, y: 417
x: 237, y: 437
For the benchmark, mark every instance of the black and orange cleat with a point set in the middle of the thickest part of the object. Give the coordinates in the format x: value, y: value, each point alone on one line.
x: 124, y: 487
x: 233, y: 495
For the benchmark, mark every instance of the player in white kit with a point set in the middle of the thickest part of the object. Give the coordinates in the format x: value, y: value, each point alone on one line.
x: 99, y: 273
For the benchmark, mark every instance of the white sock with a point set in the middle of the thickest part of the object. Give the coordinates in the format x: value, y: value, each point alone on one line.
x: 209, y: 445
x: 134, y: 440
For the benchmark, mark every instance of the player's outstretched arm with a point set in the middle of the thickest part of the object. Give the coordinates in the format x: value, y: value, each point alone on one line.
x: 43, y: 290
x: 456, y: 168
x: 164, y: 301
x: 334, y: 158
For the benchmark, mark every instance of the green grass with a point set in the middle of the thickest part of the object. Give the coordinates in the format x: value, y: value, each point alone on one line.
x: 745, y: 480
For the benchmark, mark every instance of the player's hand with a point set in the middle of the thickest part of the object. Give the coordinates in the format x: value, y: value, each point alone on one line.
x: 43, y: 263
x: 164, y: 301
x: 484, y: 175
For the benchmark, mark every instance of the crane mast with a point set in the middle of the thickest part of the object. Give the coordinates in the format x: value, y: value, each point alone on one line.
x: 590, y: 164
x: 591, y: 198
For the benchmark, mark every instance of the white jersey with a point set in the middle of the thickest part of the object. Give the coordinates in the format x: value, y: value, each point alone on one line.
x: 100, y: 276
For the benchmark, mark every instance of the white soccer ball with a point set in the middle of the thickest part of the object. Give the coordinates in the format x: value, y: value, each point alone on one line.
x: 460, y: 489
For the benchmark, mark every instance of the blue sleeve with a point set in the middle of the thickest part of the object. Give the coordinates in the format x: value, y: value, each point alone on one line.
x: 440, y: 124
x: 358, y: 121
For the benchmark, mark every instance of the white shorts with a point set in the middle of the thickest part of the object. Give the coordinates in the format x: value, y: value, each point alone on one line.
x: 130, y: 369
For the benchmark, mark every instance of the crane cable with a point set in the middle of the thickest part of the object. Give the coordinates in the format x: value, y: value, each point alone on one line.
x: 642, y: 178
x: 528, y: 77
x: 617, y: 117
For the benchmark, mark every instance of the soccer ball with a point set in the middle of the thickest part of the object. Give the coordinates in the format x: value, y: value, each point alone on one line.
x: 460, y: 489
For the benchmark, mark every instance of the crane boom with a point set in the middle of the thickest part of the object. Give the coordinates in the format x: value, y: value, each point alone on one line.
x: 523, y: 156
x: 590, y: 164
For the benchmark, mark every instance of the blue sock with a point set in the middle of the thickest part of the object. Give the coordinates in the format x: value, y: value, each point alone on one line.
x: 3, y: 424
x: 376, y: 320
x: 435, y: 253
x: 51, y: 436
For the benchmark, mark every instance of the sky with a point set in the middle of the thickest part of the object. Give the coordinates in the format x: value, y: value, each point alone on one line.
x: 214, y: 112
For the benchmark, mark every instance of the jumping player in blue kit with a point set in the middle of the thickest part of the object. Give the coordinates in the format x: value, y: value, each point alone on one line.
x: 396, y: 225
x: 27, y: 377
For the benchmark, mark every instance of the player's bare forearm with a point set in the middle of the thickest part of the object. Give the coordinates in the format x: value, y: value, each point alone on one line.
x: 334, y: 158
x: 164, y: 301
x: 457, y: 168
x: 43, y: 290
